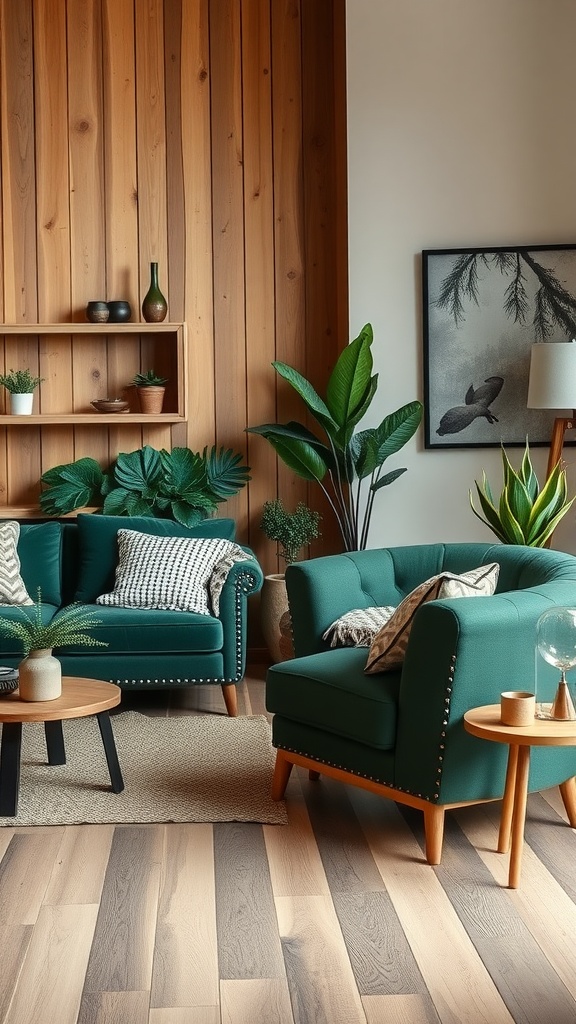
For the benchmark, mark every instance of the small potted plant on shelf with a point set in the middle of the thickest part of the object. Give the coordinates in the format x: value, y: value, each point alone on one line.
x: 21, y: 386
x: 40, y: 674
x: 292, y: 531
x: 150, y: 389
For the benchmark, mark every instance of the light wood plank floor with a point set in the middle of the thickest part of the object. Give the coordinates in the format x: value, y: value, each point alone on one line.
x: 333, y: 919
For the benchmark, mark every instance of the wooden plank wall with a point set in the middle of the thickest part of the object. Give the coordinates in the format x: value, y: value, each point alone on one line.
x: 208, y: 135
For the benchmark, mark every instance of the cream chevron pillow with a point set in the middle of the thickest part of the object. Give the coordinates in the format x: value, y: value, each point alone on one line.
x: 12, y: 588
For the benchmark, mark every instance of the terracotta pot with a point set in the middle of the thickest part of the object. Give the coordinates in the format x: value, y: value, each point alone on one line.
x: 151, y: 399
x: 40, y: 676
x: 275, y: 618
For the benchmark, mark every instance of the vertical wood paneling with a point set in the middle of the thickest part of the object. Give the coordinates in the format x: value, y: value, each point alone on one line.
x: 18, y: 164
x: 121, y: 198
x: 228, y: 234
x: 259, y: 245
x: 288, y: 220
x: 321, y: 220
x: 202, y: 134
x: 53, y: 218
x: 197, y: 185
x: 151, y: 142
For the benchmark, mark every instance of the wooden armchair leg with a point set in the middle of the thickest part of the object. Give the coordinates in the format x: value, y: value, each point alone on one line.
x: 282, y: 770
x: 568, y: 794
x: 230, y: 695
x: 434, y: 833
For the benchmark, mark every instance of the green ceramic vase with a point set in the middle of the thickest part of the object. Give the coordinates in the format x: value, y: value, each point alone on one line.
x: 154, y: 306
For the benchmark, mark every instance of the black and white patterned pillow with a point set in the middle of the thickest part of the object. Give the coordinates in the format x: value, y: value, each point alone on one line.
x: 171, y: 573
x: 358, y: 627
x: 12, y: 588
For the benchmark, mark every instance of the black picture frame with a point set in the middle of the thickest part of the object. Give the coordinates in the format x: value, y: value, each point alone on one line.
x: 483, y: 308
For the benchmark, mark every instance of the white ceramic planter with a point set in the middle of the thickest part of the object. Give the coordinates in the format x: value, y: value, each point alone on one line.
x: 21, y: 405
x: 40, y: 676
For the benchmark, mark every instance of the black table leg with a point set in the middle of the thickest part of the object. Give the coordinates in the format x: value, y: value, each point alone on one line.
x: 55, y: 742
x: 10, y: 747
x: 110, y: 751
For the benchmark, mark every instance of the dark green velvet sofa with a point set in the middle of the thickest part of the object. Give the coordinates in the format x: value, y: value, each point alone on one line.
x: 147, y: 649
x: 401, y: 733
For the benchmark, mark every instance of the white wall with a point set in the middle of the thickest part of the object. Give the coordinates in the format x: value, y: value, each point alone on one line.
x: 462, y: 132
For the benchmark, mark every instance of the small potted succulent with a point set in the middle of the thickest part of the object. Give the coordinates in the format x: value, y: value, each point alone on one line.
x: 21, y: 386
x: 292, y: 531
x: 150, y: 389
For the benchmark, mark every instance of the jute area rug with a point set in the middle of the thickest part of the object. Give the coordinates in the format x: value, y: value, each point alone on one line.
x: 190, y: 768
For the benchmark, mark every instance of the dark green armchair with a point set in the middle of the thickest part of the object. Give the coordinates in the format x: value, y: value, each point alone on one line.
x: 401, y: 733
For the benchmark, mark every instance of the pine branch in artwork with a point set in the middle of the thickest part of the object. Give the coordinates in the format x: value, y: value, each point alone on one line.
x: 554, y: 306
x: 460, y: 283
x: 515, y: 298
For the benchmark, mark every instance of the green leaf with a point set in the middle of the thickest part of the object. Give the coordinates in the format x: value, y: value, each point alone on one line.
x: 387, y: 479
x: 519, y: 502
x: 491, y: 519
x: 191, y: 515
x: 300, y: 457
x: 115, y: 503
x: 226, y: 472
x: 528, y: 476
x: 140, y: 470
x: 396, y: 429
x: 287, y: 433
x: 309, y: 396
x: 363, y: 449
x: 350, y: 379
x: 510, y: 525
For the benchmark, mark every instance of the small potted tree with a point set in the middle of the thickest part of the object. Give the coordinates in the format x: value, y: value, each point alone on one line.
x: 150, y: 389
x: 21, y: 386
x: 292, y: 531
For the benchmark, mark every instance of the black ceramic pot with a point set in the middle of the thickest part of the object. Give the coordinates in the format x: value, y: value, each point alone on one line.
x: 119, y: 310
x: 97, y: 312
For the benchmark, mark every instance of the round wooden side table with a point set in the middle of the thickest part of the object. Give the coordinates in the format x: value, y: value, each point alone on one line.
x: 485, y: 723
x: 79, y: 699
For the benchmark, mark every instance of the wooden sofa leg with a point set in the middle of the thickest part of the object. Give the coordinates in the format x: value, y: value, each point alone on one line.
x: 230, y: 695
x: 568, y: 794
x: 282, y: 770
x: 434, y: 833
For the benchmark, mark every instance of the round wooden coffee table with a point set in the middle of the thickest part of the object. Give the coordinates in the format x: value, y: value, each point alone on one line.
x: 485, y: 723
x: 79, y: 699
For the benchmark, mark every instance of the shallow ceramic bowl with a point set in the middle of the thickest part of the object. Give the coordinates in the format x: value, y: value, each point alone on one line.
x: 111, y: 405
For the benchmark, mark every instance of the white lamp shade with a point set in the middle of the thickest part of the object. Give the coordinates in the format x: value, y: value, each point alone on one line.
x: 552, y: 382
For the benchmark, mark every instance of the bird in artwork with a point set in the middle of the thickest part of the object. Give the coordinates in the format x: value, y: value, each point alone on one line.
x: 477, y: 404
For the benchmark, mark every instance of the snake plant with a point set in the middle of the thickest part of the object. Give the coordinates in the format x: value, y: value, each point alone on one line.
x: 524, y: 514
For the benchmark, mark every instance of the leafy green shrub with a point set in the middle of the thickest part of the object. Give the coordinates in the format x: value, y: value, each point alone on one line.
x: 524, y: 513
x: 291, y: 530
x: 20, y: 382
x: 183, y: 485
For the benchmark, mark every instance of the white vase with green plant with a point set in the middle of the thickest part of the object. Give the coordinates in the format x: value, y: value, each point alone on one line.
x: 292, y: 531
x: 40, y: 674
x: 525, y: 513
x: 20, y: 385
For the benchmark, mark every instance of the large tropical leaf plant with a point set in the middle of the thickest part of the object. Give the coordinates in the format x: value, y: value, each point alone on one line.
x: 524, y: 513
x: 346, y: 460
x: 183, y: 485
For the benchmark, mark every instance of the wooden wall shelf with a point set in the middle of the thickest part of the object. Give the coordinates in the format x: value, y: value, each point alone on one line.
x: 80, y: 363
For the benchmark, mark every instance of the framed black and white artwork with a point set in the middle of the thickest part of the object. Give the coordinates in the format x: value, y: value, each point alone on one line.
x: 483, y: 310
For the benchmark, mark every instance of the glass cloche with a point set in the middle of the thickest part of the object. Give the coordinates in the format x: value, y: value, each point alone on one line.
x: 556, y: 644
